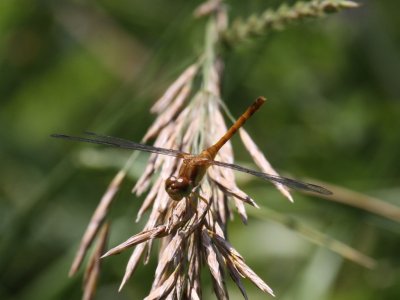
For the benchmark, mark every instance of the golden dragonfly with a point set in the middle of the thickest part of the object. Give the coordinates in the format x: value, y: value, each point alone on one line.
x: 194, y: 167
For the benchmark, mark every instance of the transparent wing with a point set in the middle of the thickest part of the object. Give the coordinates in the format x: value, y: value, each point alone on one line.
x: 298, y: 185
x: 121, y: 143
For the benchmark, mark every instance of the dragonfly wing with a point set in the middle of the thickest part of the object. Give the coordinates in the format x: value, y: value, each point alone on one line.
x: 143, y: 147
x: 298, y: 185
x: 121, y: 143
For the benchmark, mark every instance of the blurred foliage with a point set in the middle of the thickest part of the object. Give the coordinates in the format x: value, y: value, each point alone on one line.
x: 333, y: 114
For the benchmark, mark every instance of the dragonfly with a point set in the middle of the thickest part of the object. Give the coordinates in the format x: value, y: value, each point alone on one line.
x: 194, y: 167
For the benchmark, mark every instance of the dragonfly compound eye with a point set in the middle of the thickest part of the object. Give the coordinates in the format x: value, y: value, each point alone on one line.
x: 177, y: 188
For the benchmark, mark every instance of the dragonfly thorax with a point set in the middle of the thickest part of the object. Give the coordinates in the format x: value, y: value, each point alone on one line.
x: 177, y: 188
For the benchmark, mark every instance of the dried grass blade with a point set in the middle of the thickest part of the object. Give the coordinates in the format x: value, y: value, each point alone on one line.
x: 144, y: 180
x: 132, y: 264
x: 166, y: 139
x: 179, y: 216
x: 169, y: 113
x: 236, y: 277
x: 238, y: 263
x: 179, y: 286
x: 167, y: 286
x: 186, y: 76
x: 194, y: 295
x: 228, y: 187
x: 232, y: 190
x: 96, y: 221
x: 241, y: 210
x: 221, y: 205
x: 137, y: 239
x: 169, y: 253
x: 221, y: 243
x: 214, y: 266
x: 249, y: 273
x: 93, y: 267
x: 193, y: 288
x: 151, y: 196
x: 149, y: 246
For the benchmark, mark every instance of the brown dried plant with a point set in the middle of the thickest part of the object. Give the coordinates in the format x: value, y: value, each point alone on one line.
x: 192, y: 232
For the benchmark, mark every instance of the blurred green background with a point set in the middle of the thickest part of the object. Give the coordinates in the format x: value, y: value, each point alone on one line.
x: 333, y: 114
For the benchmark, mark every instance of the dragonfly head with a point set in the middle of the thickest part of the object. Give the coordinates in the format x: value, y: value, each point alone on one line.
x: 177, y: 188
